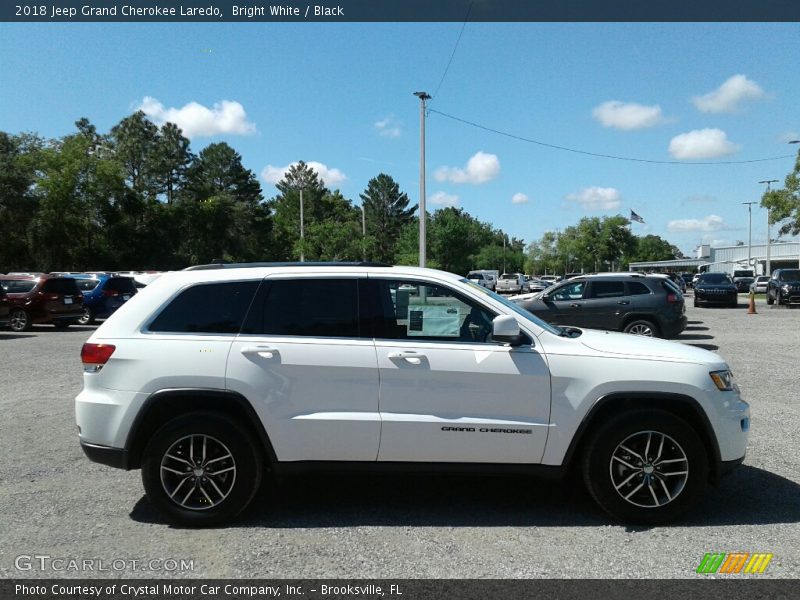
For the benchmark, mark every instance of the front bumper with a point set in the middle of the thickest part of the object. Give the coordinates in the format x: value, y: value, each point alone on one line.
x: 105, y: 455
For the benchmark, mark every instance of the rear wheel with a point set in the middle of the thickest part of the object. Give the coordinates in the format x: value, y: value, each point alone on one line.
x: 642, y: 327
x: 19, y: 320
x: 645, y: 467
x: 87, y: 318
x: 202, y: 468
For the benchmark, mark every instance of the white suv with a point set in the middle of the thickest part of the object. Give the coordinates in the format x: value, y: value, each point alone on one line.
x: 210, y: 378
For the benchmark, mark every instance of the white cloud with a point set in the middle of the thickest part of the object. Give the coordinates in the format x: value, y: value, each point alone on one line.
x: 328, y: 175
x: 709, y: 223
x: 443, y: 199
x: 519, y: 198
x: 730, y: 96
x: 627, y: 115
x: 196, y: 120
x: 388, y: 127
x: 597, y: 198
x: 480, y: 168
x: 702, y: 143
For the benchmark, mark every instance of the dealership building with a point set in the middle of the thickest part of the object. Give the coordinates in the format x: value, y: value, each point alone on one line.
x: 765, y: 258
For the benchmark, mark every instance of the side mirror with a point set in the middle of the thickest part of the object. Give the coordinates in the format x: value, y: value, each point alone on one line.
x: 505, y: 329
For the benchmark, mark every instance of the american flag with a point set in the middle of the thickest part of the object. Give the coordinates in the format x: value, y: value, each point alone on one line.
x: 637, y: 218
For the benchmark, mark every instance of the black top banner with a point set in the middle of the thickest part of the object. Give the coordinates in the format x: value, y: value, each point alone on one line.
x: 400, y: 10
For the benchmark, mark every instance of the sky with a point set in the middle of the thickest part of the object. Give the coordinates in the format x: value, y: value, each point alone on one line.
x: 340, y: 97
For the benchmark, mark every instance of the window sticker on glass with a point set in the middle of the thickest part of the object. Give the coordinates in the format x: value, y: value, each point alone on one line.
x: 439, y: 321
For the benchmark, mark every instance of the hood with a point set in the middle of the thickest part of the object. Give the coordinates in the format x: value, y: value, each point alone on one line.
x: 636, y: 346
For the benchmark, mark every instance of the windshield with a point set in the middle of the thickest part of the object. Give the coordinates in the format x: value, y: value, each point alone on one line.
x: 714, y: 278
x: 790, y: 275
x: 517, y: 309
x: 509, y: 276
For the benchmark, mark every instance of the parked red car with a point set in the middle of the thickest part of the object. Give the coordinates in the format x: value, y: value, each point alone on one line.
x: 41, y: 299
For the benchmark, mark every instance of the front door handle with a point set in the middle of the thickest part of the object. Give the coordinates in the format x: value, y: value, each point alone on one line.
x: 575, y: 305
x: 414, y: 358
x: 265, y: 351
x: 623, y: 302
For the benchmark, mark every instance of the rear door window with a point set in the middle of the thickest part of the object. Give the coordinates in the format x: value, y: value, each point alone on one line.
x: 207, y: 308
x: 606, y: 289
x: 308, y: 308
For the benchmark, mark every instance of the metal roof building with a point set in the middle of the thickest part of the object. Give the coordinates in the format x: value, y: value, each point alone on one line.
x: 728, y: 258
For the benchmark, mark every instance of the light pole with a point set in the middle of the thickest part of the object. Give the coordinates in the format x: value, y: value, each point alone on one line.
x: 750, y: 235
x: 302, y: 254
x: 423, y: 97
x: 769, y: 223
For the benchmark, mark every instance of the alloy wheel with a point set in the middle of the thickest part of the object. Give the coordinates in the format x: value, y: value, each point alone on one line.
x: 198, y: 472
x: 649, y: 469
x: 18, y: 320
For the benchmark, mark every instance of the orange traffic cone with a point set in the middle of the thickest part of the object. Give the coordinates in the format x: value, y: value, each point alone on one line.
x: 751, y: 309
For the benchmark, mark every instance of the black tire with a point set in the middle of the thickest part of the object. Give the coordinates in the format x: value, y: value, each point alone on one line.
x: 19, y: 320
x: 770, y: 299
x: 602, y: 470
x: 778, y: 298
x: 233, y: 488
x: 87, y: 318
x: 696, y: 303
x: 640, y: 327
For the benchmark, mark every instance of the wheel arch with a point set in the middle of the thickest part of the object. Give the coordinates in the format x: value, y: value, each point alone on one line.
x: 685, y: 407
x: 163, y: 405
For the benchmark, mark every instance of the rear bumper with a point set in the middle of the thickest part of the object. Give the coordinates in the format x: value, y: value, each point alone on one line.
x: 105, y: 455
x: 673, y: 327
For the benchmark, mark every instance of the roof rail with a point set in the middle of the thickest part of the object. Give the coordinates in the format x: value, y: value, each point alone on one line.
x: 225, y: 265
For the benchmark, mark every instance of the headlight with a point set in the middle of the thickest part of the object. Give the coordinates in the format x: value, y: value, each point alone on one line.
x: 786, y: 288
x: 723, y: 380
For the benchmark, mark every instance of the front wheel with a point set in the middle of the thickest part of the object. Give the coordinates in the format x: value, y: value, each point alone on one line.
x: 645, y: 467
x: 202, y: 469
x: 770, y: 299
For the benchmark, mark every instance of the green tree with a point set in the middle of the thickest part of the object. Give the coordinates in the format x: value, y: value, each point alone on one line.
x: 219, y: 170
x: 171, y: 160
x: 455, y: 238
x: 135, y: 144
x: 653, y: 247
x: 386, y: 212
x: 784, y: 203
x: 18, y: 204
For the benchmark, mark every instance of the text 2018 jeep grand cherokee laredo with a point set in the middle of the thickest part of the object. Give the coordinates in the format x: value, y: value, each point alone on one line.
x: 208, y: 377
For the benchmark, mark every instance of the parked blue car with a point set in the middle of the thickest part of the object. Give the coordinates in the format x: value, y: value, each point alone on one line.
x: 102, y: 295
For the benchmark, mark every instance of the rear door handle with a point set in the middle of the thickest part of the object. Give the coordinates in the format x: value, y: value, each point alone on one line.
x: 414, y: 358
x: 265, y: 351
x: 623, y: 302
x: 575, y: 305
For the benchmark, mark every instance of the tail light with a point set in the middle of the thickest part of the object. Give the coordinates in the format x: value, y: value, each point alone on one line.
x: 110, y: 293
x: 94, y: 356
x: 673, y: 298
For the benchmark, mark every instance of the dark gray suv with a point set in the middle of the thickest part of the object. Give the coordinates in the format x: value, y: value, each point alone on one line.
x: 640, y: 304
